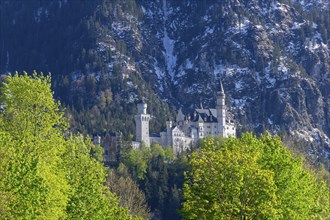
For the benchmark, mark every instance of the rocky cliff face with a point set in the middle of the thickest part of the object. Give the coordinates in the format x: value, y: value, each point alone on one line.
x: 272, y: 56
x: 273, y: 61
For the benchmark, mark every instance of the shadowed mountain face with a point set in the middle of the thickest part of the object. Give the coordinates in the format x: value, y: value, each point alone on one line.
x: 272, y: 56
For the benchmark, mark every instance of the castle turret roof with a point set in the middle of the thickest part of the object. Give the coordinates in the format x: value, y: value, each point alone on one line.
x: 221, y: 92
x: 205, y: 115
x: 221, y: 87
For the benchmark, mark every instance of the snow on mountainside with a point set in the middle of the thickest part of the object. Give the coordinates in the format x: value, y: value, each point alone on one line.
x: 274, y: 62
x: 272, y: 56
x: 310, y: 4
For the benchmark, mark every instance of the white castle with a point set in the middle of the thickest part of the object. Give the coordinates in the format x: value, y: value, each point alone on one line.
x: 188, y: 129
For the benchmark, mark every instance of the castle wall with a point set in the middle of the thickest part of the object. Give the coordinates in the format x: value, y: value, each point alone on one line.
x: 155, y: 140
x: 230, y: 130
x: 204, y: 123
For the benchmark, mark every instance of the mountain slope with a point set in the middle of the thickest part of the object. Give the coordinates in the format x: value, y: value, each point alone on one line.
x: 272, y: 56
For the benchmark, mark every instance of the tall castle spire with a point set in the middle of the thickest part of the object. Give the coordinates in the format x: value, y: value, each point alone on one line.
x: 221, y: 95
x: 221, y: 88
x: 221, y: 110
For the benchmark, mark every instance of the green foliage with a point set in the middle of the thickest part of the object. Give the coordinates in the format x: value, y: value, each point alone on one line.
x: 29, y: 107
x: 168, y: 153
x: 157, y: 150
x: 155, y: 185
x: 33, y: 175
x: 5, y: 196
x: 251, y: 178
x: 160, y: 175
x: 299, y: 193
x: 89, y: 198
x: 136, y: 160
x: 45, y: 174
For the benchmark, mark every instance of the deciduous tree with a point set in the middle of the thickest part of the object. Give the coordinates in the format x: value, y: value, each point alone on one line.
x: 251, y: 178
x: 45, y: 174
x: 34, y: 176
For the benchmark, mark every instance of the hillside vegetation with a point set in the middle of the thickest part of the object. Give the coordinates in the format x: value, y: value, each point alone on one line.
x: 272, y: 56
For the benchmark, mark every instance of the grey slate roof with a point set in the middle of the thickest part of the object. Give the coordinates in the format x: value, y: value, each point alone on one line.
x: 204, y: 115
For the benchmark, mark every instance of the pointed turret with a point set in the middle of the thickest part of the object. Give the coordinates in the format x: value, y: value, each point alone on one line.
x: 180, y: 116
x: 221, y: 95
x: 221, y: 92
x: 221, y: 87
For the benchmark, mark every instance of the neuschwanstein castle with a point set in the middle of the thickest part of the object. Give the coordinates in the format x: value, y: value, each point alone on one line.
x: 187, y: 129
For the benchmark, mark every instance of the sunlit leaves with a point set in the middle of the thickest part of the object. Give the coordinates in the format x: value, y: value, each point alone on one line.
x: 44, y: 173
x: 250, y: 178
x: 34, y: 176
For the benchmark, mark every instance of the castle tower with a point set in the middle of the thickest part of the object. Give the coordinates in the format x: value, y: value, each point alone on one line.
x: 168, y: 132
x: 142, y: 124
x: 221, y: 111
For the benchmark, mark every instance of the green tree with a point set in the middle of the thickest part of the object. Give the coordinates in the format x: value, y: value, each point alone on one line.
x: 299, y: 193
x: 5, y: 196
x: 137, y: 161
x: 251, y: 178
x: 44, y: 173
x: 89, y: 198
x: 33, y: 175
x: 169, y: 156
x: 157, y: 151
x: 149, y: 167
